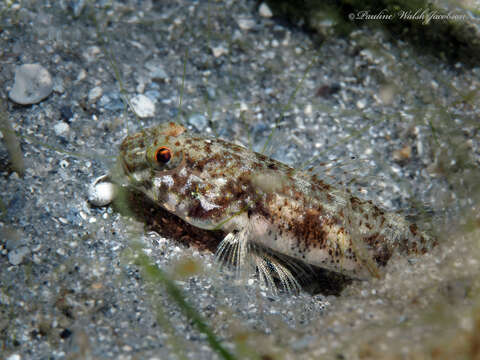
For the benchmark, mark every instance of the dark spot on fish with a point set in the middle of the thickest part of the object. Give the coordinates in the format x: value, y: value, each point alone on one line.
x: 413, y: 229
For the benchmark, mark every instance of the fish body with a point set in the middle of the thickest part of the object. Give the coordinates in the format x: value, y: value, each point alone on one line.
x: 264, y: 206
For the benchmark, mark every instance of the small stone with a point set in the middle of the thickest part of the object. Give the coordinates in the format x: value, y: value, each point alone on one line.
x: 143, y: 106
x: 15, y: 256
x: 81, y: 75
x: 157, y: 72
x: 94, y: 94
x: 402, y: 154
x: 32, y: 84
x: 246, y: 23
x: 58, y: 85
x: 243, y: 107
x: 265, y: 11
x: 219, y: 51
x: 61, y: 128
x: 91, y: 53
x: 141, y: 85
x: 211, y: 93
x: 101, y: 192
x: 361, y: 104
x: 77, y: 7
x: 387, y: 94
x: 198, y: 121
x: 111, y: 101
x: 308, y: 110
x: 14, y: 357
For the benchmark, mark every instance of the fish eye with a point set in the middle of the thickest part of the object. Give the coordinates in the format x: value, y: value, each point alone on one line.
x: 163, y: 155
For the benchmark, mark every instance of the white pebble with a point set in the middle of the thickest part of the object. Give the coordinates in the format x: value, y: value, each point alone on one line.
x: 308, y: 110
x: 94, y: 94
x: 81, y: 75
x: 91, y: 53
x: 15, y: 256
x: 245, y: 23
x: 361, y: 104
x: 14, y: 357
x: 58, y: 85
x: 219, y: 51
x: 243, y: 107
x: 101, y: 191
x: 61, y: 128
x: 265, y: 11
x: 143, y: 106
x: 33, y: 83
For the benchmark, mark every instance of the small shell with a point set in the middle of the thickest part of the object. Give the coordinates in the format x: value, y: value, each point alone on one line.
x: 102, y: 192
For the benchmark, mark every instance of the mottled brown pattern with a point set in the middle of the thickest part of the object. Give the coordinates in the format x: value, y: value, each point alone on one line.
x: 218, y: 179
x: 311, y: 229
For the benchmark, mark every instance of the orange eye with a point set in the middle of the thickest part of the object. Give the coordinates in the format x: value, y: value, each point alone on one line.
x: 163, y: 155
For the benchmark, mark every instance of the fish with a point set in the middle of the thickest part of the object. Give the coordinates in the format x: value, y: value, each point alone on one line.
x: 274, y: 216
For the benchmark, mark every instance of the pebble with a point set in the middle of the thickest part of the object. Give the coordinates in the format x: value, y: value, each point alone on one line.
x: 91, y: 53
x: 157, y: 72
x: 402, y: 154
x: 94, y: 94
x: 14, y: 357
x: 58, y: 85
x: 245, y: 23
x: 77, y: 7
x: 265, y: 11
x: 101, y: 192
x: 387, y: 94
x: 82, y: 74
x: 211, y: 93
x: 32, y: 84
x: 198, y: 121
x: 61, y: 128
x: 143, y: 106
x: 219, y: 51
x: 15, y: 256
x: 361, y: 104
x: 111, y: 101
x: 308, y: 110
